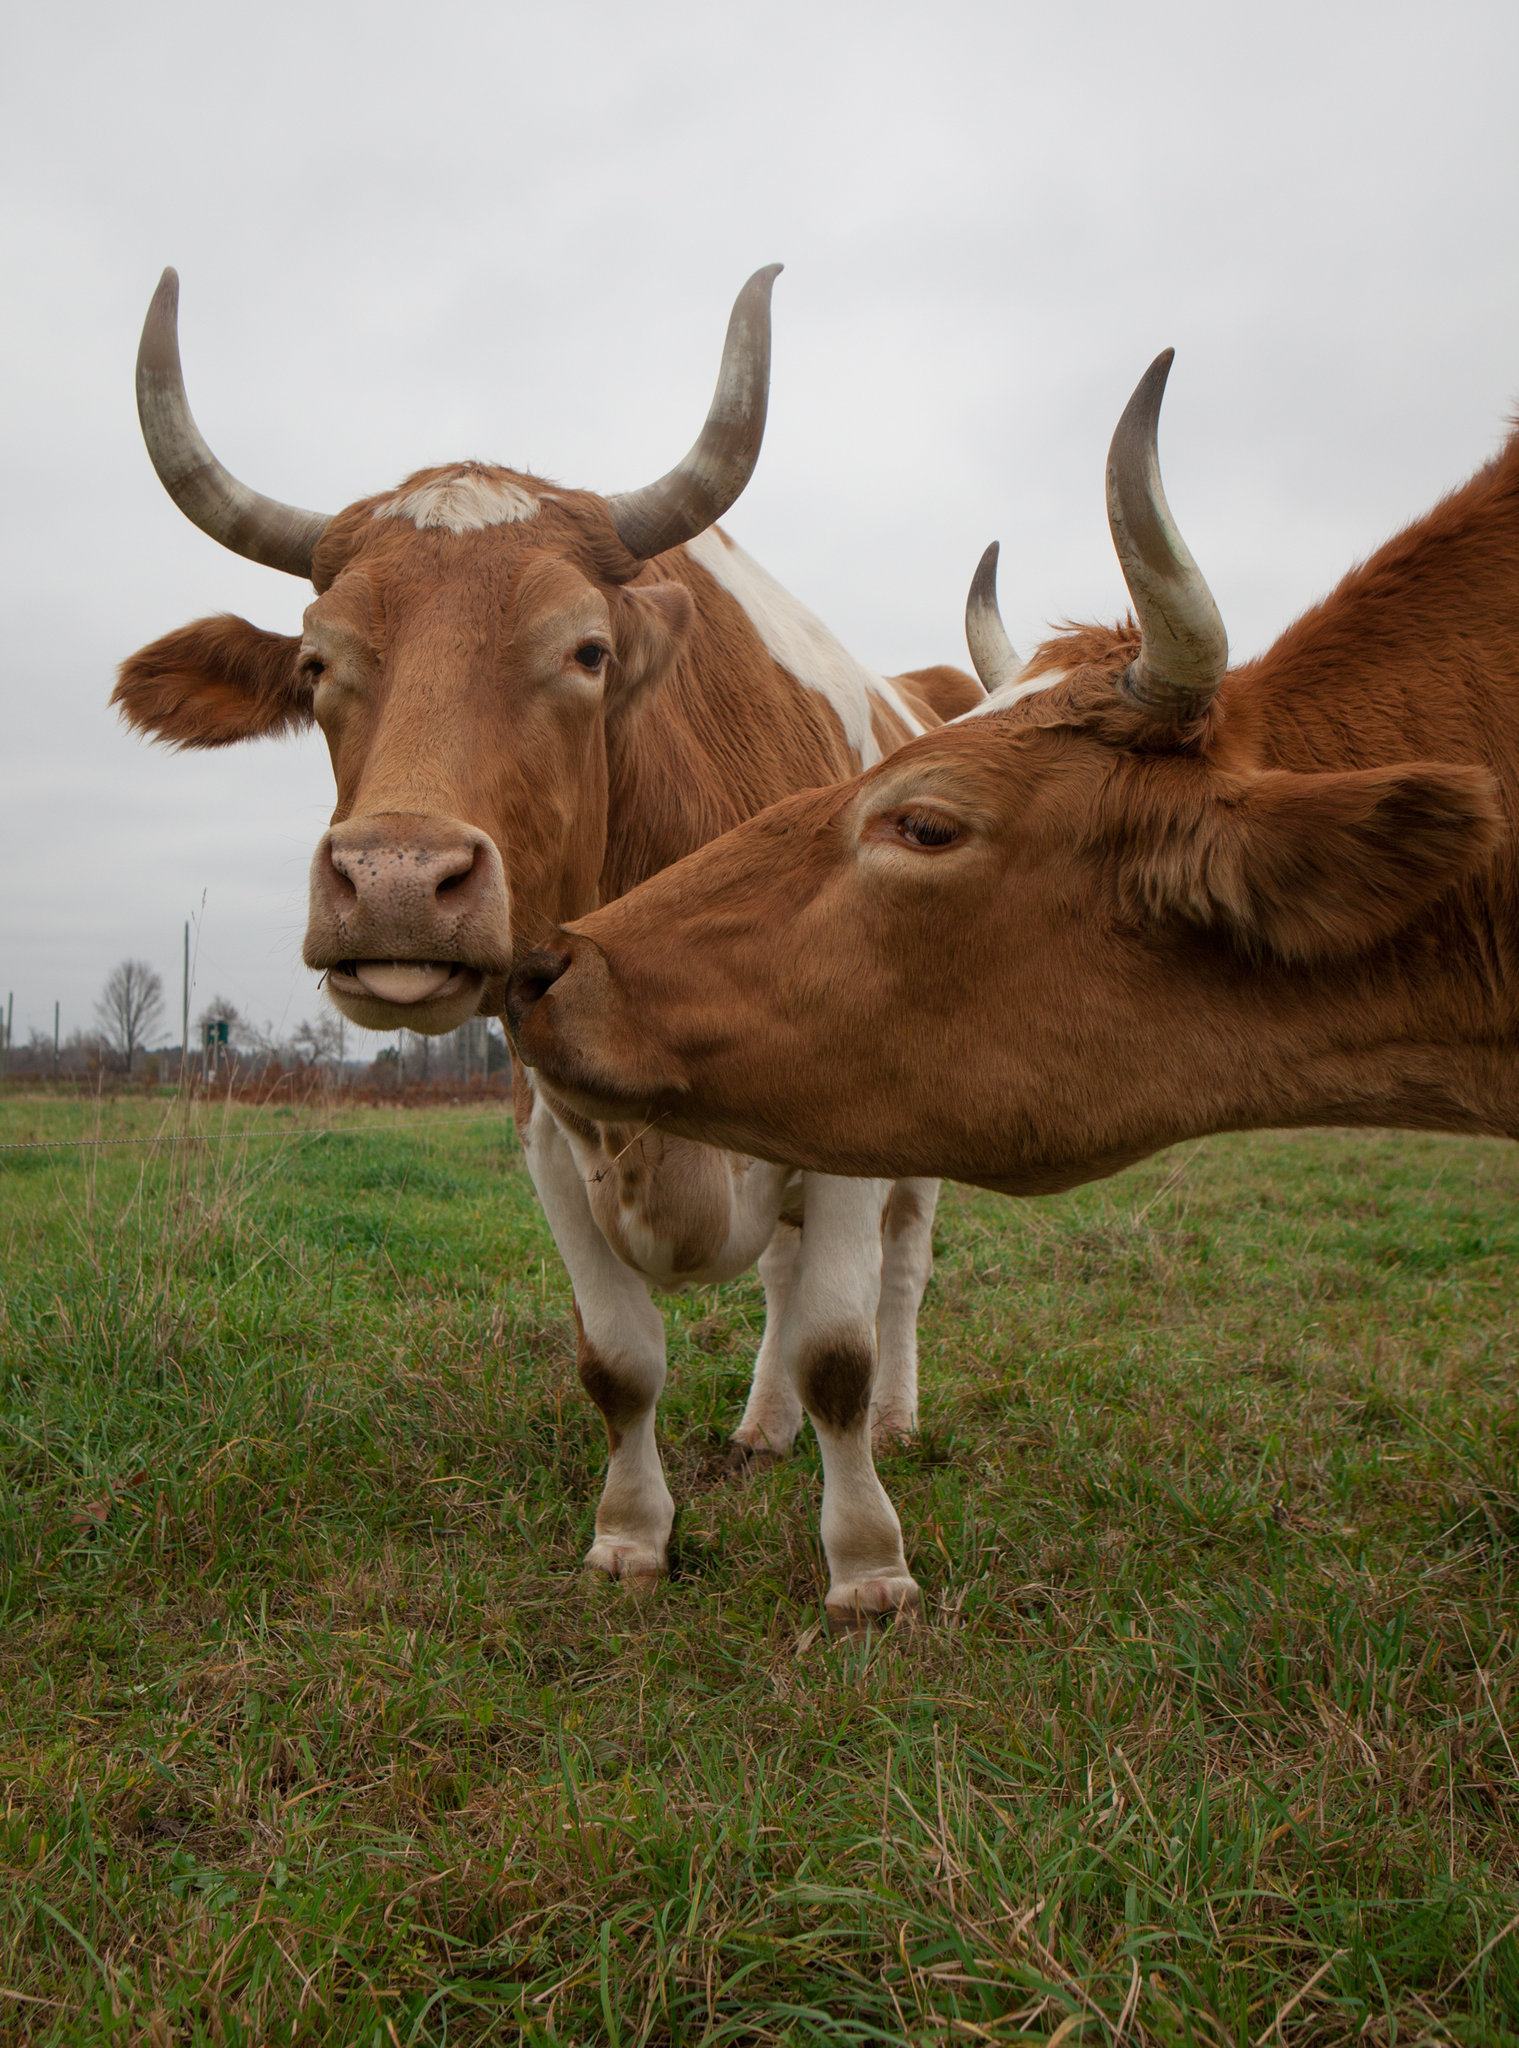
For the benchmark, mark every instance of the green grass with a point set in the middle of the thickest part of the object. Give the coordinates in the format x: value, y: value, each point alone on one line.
x: 312, y: 1731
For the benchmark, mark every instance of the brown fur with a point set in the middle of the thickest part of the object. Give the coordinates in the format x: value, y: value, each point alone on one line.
x: 939, y: 694
x: 905, y: 1206
x: 835, y: 1383
x: 213, y: 683
x: 1302, y: 907
x: 619, y: 1402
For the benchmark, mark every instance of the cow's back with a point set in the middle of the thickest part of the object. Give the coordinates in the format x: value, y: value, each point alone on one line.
x: 939, y: 694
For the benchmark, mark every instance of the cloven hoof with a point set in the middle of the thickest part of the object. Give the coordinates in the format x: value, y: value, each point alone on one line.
x: 852, y: 1609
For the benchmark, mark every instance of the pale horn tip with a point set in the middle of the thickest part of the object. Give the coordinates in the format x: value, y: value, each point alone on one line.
x: 992, y: 654
x: 1184, y: 650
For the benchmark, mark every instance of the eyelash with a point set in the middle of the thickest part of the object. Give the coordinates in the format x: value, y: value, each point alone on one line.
x: 927, y: 833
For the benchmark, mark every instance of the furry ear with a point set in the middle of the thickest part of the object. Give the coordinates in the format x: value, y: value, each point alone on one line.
x: 214, y: 682
x: 1314, y: 866
x: 651, y: 624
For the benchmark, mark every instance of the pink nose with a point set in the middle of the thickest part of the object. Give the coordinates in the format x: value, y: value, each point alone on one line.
x: 402, y: 886
x: 376, y: 872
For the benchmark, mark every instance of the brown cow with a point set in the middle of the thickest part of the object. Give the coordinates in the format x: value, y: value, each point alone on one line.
x: 1143, y: 898
x: 534, y: 698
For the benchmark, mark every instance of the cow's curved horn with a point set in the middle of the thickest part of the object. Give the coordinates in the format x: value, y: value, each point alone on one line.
x: 1184, y: 650
x: 993, y: 656
x: 279, y: 536
x: 705, y: 482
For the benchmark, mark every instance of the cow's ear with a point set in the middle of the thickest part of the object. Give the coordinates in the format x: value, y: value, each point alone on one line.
x: 214, y: 682
x: 1313, y: 866
x: 652, y: 623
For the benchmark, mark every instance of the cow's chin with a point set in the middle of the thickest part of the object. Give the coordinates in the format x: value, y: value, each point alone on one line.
x: 580, y: 1083
x: 594, y: 1099
x: 442, y: 1009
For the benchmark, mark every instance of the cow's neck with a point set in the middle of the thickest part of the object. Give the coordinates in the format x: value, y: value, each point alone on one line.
x: 1415, y: 654
x: 1415, y: 1034
x: 1414, y: 657
x: 730, y: 729
x: 1390, y: 1040
x: 1283, y: 1052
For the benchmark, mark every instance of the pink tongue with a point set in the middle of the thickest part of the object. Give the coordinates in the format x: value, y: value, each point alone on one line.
x: 403, y: 981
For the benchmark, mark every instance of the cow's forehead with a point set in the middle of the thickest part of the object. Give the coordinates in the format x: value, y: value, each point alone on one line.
x: 494, y: 586
x: 467, y: 518
x: 461, y: 499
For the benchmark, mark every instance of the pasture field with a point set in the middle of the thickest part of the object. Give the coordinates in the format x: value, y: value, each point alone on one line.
x: 311, y: 1729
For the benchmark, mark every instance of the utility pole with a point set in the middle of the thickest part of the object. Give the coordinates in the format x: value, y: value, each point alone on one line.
x: 5, y: 1036
x: 55, y: 1038
x: 184, y: 1010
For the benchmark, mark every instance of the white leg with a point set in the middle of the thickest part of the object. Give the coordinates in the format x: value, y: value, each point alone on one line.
x: 829, y: 1337
x: 907, y: 1262
x: 621, y: 1362
x: 773, y: 1414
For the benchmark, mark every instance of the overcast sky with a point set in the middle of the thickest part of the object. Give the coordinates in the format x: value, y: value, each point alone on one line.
x: 409, y: 234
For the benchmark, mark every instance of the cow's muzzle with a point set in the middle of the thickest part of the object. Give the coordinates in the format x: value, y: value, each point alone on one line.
x: 409, y: 921
x: 570, y: 1020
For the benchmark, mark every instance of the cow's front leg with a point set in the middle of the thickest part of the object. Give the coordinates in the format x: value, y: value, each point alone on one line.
x: 907, y: 1264
x: 773, y: 1413
x: 830, y: 1329
x: 621, y: 1363
x: 636, y: 1512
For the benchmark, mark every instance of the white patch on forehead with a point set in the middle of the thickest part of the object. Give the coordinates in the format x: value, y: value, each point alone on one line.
x: 461, y: 502
x: 798, y: 640
x: 1011, y: 693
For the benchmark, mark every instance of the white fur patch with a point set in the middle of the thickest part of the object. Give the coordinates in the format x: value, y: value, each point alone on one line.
x: 885, y: 688
x: 462, y: 502
x: 799, y: 641
x: 1010, y: 693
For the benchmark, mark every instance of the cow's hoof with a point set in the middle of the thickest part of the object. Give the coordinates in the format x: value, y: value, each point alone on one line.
x: 745, y: 1460
x: 890, y: 1429
x: 637, y: 1565
x: 856, y: 1604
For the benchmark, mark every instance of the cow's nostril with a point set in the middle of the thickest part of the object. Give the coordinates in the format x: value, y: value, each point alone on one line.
x: 532, y: 980
x: 457, y: 880
x: 347, y: 888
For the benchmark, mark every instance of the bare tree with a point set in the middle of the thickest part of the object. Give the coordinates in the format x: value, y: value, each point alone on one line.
x: 131, y: 1008
x: 312, y: 1043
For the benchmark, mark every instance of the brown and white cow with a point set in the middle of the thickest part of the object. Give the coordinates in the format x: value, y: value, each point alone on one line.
x: 534, y: 698
x: 1137, y: 897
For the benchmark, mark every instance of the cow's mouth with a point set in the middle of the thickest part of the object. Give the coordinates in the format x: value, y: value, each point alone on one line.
x: 401, y: 982
x: 431, y: 996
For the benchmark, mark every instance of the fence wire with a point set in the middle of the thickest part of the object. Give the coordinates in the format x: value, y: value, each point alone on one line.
x: 240, y: 1136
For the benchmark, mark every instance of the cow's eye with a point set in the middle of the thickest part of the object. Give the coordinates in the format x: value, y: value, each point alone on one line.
x: 590, y: 654
x: 313, y: 668
x: 921, y: 828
